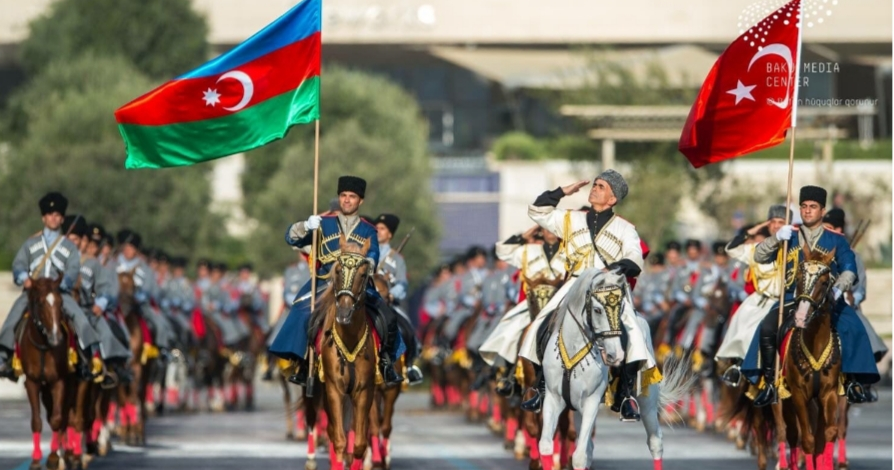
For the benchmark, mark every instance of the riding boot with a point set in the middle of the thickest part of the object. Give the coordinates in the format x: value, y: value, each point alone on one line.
x: 506, y: 386
x: 767, y: 395
x: 300, y: 375
x: 6, y: 367
x: 856, y: 392
x: 533, y: 405
x: 389, y: 374
x: 625, y: 395
x: 386, y: 361
x: 733, y: 374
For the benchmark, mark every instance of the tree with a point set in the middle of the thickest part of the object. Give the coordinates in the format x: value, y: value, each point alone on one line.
x: 71, y: 144
x: 162, y: 38
x: 370, y: 128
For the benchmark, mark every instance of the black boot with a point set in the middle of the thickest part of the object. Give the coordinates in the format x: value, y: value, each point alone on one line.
x: 268, y: 374
x: 767, y: 395
x: 856, y: 392
x: 300, y: 376
x: 533, y: 405
x: 6, y: 370
x: 625, y: 399
x: 506, y: 386
x: 389, y: 374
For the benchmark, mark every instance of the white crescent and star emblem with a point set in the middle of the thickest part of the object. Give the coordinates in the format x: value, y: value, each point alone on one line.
x: 212, y: 97
x: 743, y: 91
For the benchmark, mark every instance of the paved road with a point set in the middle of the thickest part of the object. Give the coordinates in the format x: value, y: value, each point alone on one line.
x: 422, y: 440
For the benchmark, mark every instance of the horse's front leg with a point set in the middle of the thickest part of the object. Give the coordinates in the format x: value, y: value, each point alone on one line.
x: 33, y: 389
x: 583, y: 452
x: 552, y: 408
x: 336, y: 430
x: 56, y: 419
x: 362, y: 400
x: 829, y: 409
x: 375, y: 427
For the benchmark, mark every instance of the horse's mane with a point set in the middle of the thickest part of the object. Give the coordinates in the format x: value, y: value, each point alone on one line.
x: 578, y: 293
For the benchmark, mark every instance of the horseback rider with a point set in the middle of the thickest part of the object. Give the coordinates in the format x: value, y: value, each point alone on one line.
x: 834, y: 221
x: 464, y: 292
x: 248, y: 291
x: 596, y: 238
x: 97, y: 289
x: 220, y: 307
x: 145, y: 287
x: 292, y: 341
x: 538, y: 254
x: 394, y: 268
x: 47, y: 254
x: 178, y: 300
x: 295, y: 276
x: 765, y: 280
x: 649, y: 299
x: 856, y: 353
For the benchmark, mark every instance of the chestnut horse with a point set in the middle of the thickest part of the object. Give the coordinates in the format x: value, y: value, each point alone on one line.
x: 43, y: 344
x: 132, y: 396
x: 348, y: 359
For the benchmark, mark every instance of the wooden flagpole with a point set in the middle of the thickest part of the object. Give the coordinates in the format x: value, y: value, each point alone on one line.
x: 788, y: 195
x: 313, y: 259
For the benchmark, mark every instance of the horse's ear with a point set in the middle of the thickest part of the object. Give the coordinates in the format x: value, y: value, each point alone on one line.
x: 805, y: 248
x: 831, y: 255
x: 342, y: 241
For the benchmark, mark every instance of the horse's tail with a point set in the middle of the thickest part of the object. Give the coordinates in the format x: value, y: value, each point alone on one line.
x: 677, y: 384
x: 758, y: 423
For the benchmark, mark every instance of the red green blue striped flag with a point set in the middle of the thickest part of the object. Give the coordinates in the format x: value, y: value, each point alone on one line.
x: 239, y: 101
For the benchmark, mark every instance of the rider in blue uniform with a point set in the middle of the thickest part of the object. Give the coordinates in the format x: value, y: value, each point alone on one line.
x: 292, y: 341
x: 857, y: 362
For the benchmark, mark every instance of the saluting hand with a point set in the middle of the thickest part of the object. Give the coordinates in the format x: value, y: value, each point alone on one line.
x: 96, y: 310
x: 575, y: 187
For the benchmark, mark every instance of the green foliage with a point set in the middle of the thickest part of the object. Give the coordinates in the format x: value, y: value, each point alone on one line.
x: 657, y: 184
x: 162, y: 38
x: 71, y: 144
x: 370, y: 128
x: 519, y: 146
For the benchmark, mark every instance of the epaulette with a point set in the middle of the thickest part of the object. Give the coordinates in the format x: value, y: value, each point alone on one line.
x: 364, y: 221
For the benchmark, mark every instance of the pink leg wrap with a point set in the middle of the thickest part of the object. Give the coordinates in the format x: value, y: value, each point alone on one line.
x: 110, y: 418
x: 311, y: 444
x: 473, y: 400
x: 546, y: 461
x: 36, y: 454
x: 55, y: 442
x: 437, y: 394
x: 810, y: 465
x: 150, y: 394
x: 497, y: 414
x: 783, y: 460
x: 533, y: 446
x: 794, y: 456
x: 94, y: 433
x: 709, y: 406
x: 482, y: 404
x: 656, y: 464
x: 376, y: 450
x: 691, y: 406
x: 842, y: 451
x: 511, y: 428
x: 351, y: 442
x: 76, y: 443
x: 173, y: 397
x: 828, y: 455
x: 384, y: 448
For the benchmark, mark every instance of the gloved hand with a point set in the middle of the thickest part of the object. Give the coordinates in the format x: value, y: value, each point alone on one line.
x: 140, y: 296
x: 836, y: 293
x: 845, y: 281
x: 399, y: 292
x: 313, y: 222
x: 701, y: 302
x: 784, y: 233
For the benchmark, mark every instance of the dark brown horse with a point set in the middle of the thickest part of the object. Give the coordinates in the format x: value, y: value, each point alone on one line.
x: 43, y: 343
x: 347, y: 358
x: 245, y: 360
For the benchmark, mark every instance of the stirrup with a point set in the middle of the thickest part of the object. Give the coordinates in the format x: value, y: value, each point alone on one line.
x: 636, y: 412
x: 730, y: 371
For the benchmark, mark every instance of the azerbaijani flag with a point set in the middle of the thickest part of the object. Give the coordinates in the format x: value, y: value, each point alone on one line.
x: 242, y: 100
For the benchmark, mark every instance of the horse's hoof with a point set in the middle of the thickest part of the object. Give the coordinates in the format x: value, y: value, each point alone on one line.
x: 740, y: 443
x: 310, y: 465
x: 35, y: 465
x: 53, y: 462
x: 843, y: 465
x: 86, y: 460
x: 290, y: 436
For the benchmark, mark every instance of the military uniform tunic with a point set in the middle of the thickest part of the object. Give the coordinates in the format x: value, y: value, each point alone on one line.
x: 99, y: 288
x: 63, y: 259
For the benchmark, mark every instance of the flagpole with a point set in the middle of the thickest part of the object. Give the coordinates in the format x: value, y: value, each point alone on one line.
x: 313, y: 259
x: 788, y: 195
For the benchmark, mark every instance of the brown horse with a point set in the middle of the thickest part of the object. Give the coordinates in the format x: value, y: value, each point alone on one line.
x: 348, y: 358
x: 245, y: 360
x: 538, y: 292
x: 43, y: 343
x: 813, y: 361
x: 132, y: 396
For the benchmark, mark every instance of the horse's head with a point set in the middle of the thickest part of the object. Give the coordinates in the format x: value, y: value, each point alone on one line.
x: 539, y: 291
x: 45, y: 305
x: 814, y: 282
x: 605, y: 301
x: 126, y: 291
x: 719, y: 302
x: 352, y: 270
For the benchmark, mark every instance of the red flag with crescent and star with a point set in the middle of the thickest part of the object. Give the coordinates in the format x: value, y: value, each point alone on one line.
x: 748, y: 99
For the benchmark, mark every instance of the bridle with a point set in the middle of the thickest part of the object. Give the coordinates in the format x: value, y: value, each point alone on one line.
x: 813, y: 271
x: 611, y: 299
x: 350, y: 266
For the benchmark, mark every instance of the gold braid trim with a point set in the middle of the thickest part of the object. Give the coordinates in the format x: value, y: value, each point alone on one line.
x: 817, y: 364
x: 570, y: 362
x: 350, y: 356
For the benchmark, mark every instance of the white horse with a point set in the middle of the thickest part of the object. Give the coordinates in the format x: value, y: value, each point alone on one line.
x: 589, y: 320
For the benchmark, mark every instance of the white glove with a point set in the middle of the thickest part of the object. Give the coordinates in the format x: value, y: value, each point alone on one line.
x: 313, y: 222
x: 784, y: 233
x: 836, y: 293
